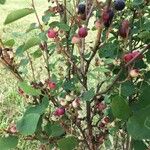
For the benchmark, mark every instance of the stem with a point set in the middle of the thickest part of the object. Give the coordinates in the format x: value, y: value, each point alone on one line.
x: 45, y: 43
x: 12, y: 69
x: 31, y: 64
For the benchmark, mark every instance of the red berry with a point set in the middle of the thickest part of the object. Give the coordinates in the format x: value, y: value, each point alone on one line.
x: 82, y: 32
x: 124, y: 29
x: 135, y: 53
x: 52, y: 85
x: 106, y: 120
x: 59, y: 111
x: 128, y: 57
x: 52, y: 33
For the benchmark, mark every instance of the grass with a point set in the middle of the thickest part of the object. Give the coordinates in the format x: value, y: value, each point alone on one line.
x: 11, y: 104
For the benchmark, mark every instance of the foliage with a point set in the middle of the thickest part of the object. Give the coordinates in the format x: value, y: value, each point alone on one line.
x: 88, y: 89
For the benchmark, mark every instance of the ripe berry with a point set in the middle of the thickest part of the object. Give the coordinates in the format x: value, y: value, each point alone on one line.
x: 107, y: 17
x: 124, y: 29
x: 75, y: 39
x: 128, y: 57
x: 52, y: 85
x: 135, y: 53
x: 52, y: 33
x: 81, y: 8
x: 119, y: 4
x: 59, y: 111
x: 82, y: 32
x: 134, y: 73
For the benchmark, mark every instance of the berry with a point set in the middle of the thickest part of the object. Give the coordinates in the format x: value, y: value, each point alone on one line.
x: 75, y: 39
x: 134, y: 73
x: 97, y: 24
x: 59, y: 111
x: 52, y: 85
x: 81, y: 8
x: 135, y: 53
x: 119, y: 4
x: 20, y: 91
x: 128, y: 57
x: 102, y: 125
x: 63, y: 103
x: 101, y: 106
x: 106, y: 120
x: 124, y: 29
x: 107, y: 17
x: 52, y: 33
x: 76, y: 103
x: 82, y: 32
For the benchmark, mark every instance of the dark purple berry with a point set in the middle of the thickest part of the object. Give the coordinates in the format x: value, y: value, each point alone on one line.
x: 81, y: 8
x: 119, y: 4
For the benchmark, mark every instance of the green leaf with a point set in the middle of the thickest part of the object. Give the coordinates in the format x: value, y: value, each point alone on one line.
x: 138, y: 126
x: 8, y: 142
x: 31, y: 43
x: 57, y: 130
x: 127, y: 89
x: 144, y: 100
x: 120, y: 108
x: 137, y: 2
x: 88, y: 95
x: 29, y: 90
x: 60, y: 25
x: 139, y: 145
x: 68, y: 143
x: 28, y: 124
x: 40, y: 108
x: 2, y: 1
x: 37, y: 54
x: 9, y: 43
x: 32, y: 27
x: 17, y: 14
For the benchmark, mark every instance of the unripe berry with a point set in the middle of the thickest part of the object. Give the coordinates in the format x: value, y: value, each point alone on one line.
x: 134, y: 73
x: 75, y: 39
x: 52, y: 33
x: 20, y: 91
x: 119, y: 4
x: 76, y: 103
x: 82, y: 32
x: 63, y: 103
x: 81, y: 8
x: 101, y: 125
x: 59, y: 111
x: 52, y: 85
x: 106, y: 120
x: 124, y: 29
x: 97, y: 24
x: 101, y: 106
x: 128, y: 57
